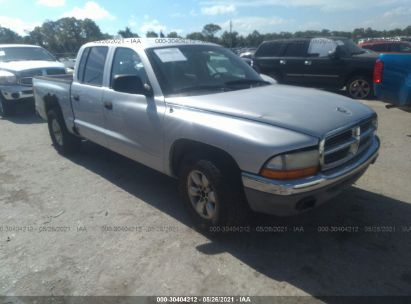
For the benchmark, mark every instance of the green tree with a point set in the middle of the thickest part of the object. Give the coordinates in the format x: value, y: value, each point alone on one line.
x: 127, y: 33
x: 196, y: 36
x: 230, y: 40
x: 151, y: 34
x: 173, y: 35
x: 66, y: 35
x: 209, y: 31
x: 9, y: 36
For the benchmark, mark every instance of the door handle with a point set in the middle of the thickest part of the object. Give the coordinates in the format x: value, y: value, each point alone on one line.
x: 283, y: 62
x: 308, y: 62
x: 76, y: 97
x: 108, y: 105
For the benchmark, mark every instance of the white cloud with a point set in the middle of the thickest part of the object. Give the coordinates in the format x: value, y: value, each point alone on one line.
x: 399, y: 11
x: 218, y: 9
x: 325, y: 5
x: 51, y: 3
x: 152, y: 25
x: 20, y: 26
x: 246, y: 25
x: 91, y: 10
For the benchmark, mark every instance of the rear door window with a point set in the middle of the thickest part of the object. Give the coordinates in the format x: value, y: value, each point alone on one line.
x: 270, y: 49
x: 82, y: 64
x: 296, y: 49
x: 94, y: 68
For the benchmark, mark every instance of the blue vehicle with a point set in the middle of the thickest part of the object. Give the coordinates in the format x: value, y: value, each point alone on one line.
x: 392, y: 79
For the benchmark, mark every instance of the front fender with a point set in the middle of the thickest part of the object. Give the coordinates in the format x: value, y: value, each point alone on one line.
x: 248, y: 142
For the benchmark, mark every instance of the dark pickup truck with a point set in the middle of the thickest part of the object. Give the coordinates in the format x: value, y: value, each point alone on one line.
x: 332, y: 63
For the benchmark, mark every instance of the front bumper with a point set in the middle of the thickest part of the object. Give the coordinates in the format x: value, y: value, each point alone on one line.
x: 292, y: 197
x: 16, y: 92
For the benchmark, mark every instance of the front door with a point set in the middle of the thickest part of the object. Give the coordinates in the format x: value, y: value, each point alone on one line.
x: 133, y: 122
x: 322, y: 70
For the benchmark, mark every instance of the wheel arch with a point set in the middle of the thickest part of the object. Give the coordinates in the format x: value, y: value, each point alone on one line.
x: 358, y: 72
x: 183, y: 147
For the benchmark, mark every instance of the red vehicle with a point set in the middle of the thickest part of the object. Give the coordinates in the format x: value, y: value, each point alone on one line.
x: 387, y: 46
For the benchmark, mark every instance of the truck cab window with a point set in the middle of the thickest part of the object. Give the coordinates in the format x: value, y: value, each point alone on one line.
x: 82, y: 65
x: 296, y: 49
x: 94, y: 69
x: 127, y: 62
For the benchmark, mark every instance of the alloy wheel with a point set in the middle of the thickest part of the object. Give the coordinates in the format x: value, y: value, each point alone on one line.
x: 202, y: 195
x: 359, y: 89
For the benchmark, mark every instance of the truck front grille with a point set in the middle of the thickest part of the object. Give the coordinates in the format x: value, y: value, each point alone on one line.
x: 26, y: 77
x: 341, y: 147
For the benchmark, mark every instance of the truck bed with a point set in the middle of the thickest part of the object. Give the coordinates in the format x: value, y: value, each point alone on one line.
x: 66, y: 78
x: 52, y: 87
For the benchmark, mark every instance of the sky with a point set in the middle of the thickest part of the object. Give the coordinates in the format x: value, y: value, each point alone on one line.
x: 186, y: 16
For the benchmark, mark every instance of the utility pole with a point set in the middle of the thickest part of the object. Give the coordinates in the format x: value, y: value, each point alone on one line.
x: 231, y: 34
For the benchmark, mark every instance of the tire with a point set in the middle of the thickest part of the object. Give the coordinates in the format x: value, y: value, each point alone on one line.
x: 360, y: 87
x: 63, y: 141
x: 221, y: 204
x: 6, y: 108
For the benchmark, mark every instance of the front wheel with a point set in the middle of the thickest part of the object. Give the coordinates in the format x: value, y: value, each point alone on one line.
x: 63, y: 141
x: 213, y: 198
x: 360, y: 87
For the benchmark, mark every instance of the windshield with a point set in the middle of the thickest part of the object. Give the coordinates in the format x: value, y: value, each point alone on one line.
x: 199, y: 69
x: 24, y: 53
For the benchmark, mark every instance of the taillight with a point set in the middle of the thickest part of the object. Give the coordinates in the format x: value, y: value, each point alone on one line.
x: 378, y: 71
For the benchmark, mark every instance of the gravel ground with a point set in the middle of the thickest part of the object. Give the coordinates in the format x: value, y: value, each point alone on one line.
x: 59, y: 218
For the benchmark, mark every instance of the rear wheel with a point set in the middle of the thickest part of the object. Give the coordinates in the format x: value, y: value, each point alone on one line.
x: 6, y: 108
x: 360, y: 87
x: 212, y: 196
x: 63, y: 141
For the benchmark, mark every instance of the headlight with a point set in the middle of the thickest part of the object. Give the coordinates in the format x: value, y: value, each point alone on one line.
x: 7, y: 78
x: 292, y: 165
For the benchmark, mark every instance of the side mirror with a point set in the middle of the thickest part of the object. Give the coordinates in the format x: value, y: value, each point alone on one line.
x: 131, y: 84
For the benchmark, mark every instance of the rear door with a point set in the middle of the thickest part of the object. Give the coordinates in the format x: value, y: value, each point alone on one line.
x: 269, y: 59
x: 133, y: 121
x: 86, y: 94
x: 293, y: 61
x: 320, y: 69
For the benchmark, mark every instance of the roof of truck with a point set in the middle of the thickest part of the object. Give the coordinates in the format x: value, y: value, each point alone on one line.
x: 148, y: 42
x: 18, y: 45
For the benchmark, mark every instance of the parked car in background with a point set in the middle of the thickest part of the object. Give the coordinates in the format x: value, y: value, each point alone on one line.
x: 197, y: 112
x: 18, y: 65
x: 247, y: 53
x: 332, y: 63
x: 386, y: 46
x: 392, y: 79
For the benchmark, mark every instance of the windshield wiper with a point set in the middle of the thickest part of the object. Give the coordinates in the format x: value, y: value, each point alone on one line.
x: 201, y: 88
x: 247, y: 82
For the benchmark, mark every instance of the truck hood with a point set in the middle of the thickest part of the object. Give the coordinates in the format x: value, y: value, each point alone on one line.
x: 308, y: 111
x: 18, y: 66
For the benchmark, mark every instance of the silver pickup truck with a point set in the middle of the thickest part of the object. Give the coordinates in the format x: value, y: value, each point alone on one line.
x: 197, y: 112
x: 18, y: 64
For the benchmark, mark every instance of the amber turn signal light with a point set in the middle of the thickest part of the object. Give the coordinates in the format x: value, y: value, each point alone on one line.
x: 288, y: 175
